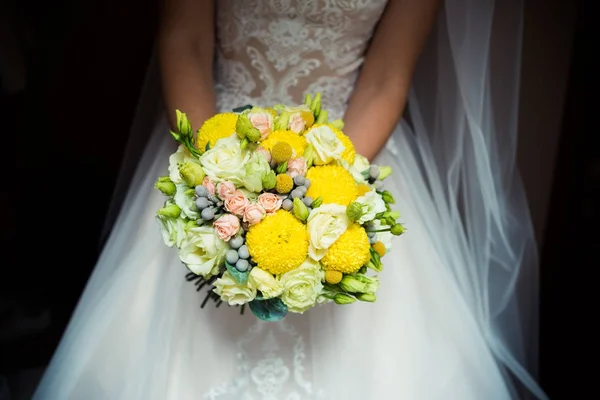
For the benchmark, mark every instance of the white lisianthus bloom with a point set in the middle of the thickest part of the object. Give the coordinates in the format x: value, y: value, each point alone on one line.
x: 172, y: 229
x: 325, y: 225
x: 202, y: 251
x: 184, y: 198
x: 372, y: 204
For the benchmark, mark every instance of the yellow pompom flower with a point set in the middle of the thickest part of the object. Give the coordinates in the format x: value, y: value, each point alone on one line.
x: 284, y: 183
x: 349, y: 253
x: 333, y: 183
x: 333, y: 277
x: 349, y: 153
x: 379, y: 247
x: 218, y: 127
x: 297, y: 142
x: 279, y: 243
x: 281, y: 152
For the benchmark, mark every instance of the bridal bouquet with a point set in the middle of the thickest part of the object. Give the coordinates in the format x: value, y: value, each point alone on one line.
x: 273, y: 208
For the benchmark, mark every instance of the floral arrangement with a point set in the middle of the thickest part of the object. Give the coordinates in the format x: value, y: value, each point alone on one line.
x: 273, y: 208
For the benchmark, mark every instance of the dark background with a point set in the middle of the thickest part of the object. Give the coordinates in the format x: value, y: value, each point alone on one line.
x: 85, y: 64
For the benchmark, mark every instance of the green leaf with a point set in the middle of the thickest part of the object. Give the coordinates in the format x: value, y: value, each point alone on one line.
x: 242, y: 108
x: 207, y: 147
x: 240, y: 277
x: 268, y: 310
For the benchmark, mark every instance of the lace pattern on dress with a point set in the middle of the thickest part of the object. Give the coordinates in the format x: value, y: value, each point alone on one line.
x: 276, y: 51
x: 270, y: 360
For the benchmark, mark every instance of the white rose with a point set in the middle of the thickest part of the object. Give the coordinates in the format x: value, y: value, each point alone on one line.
x: 179, y: 157
x: 172, y: 230
x: 265, y: 282
x: 301, y: 286
x: 326, y: 145
x: 232, y: 292
x: 325, y: 225
x: 226, y: 160
x: 202, y: 251
x: 372, y: 204
x: 184, y: 198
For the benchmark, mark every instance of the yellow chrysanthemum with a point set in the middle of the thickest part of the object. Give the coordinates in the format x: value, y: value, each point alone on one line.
x: 297, y: 142
x: 218, y: 127
x: 333, y: 183
x: 363, y: 189
x: 350, y: 252
x: 279, y: 243
x: 349, y: 153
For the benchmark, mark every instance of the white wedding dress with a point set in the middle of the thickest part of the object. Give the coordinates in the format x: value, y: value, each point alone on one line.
x: 444, y: 326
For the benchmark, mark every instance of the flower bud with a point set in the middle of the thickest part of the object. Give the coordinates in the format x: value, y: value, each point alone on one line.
x: 300, y: 210
x: 184, y: 127
x: 171, y: 211
x: 388, y: 198
x: 192, y: 173
x: 315, y: 105
x: 166, y: 186
x: 342, y: 298
x: 369, y: 297
x: 317, y: 202
x: 308, y: 99
x: 282, y: 121
x: 397, y: 230
x: 243, y: 125
x: 269, y: 180
x: 359, y: 284
x: 323, y: 117
x: 337, y: 124
x: 384, y: 172
x: 354, y: 211
x: 253, y: 134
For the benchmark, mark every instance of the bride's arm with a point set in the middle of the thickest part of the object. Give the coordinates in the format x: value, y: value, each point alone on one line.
x: 185, y: 49
x: 382, y: 87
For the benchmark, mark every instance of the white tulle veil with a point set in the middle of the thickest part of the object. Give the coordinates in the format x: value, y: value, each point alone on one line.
x: 461, y: 124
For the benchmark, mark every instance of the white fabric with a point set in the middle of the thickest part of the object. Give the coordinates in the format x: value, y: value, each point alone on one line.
x: 446, y: 324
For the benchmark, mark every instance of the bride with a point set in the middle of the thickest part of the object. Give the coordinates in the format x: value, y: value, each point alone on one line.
x: 447, y: 323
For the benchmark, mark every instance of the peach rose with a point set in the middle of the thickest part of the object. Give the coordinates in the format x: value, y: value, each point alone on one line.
x: 270, y: 202
x: 237, y: 203
x: 209, y: 184
x: 227, y: 226
x: 254, y: 213
x: 264, y: 152
x: 263, y: 121
x: 225, y: 189
x: 296, y: 124
x: 296, y: 166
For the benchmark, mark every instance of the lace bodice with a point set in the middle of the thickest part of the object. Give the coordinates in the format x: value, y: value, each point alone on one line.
x: 275, y: 51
